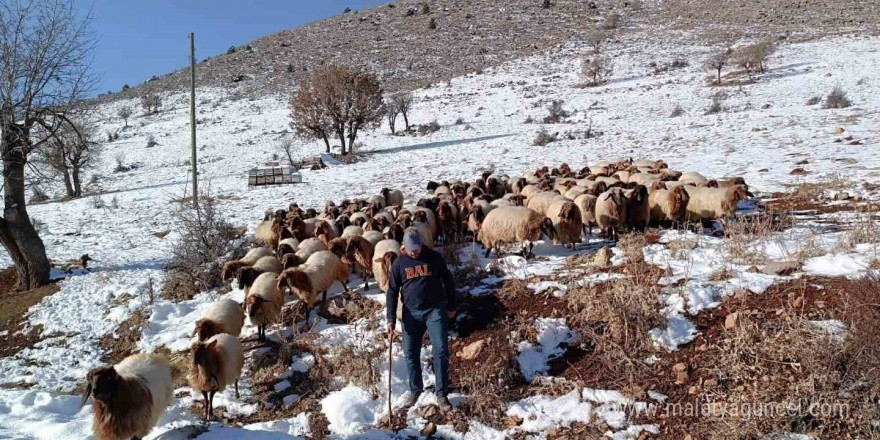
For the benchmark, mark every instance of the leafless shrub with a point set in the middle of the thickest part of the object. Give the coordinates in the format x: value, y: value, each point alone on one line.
x: 837, y: 99
x: 544, y: 138
x: 287, y: 149
x: 679, y: 63
x: 529, y: 120
x: 426, y: 9
x: 38, y: 195
x: 676, y: 111
x: 98, y: 202
x: 403, y: 102
x: 432, y: 24
x: 151, y: 141
x: 814, y: 100
x: 459, y: 121
x: 752, y: 58
x: 556, y: 113
x: 596, y: 70
x: 196, y: 255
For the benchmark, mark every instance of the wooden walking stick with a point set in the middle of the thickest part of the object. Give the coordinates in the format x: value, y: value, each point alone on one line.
x: 390, y: 357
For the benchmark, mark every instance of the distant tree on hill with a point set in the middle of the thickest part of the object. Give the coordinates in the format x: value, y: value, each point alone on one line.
x: 151, y: 103
x: 718, y: 61
x: 391, y: 112
x: 337, y: 101
x: 403, y: 102
x: 125, y: 112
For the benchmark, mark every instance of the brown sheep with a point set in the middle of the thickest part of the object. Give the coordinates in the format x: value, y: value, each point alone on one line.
x: 566, y: 218
x: 216, y: 363
x: 611, y: 212
x: 638, y: 210
x: 668, y: 205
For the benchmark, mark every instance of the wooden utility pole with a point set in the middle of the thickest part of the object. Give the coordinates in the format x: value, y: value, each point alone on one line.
x: 192, y: 115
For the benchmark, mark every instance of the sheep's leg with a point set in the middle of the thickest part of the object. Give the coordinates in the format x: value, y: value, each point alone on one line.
x: 345, y: 286
x: 323, y: 310
x: 488, y: 250
x: 237, y: 395
x: 207, y: 408
x: 212, y: 403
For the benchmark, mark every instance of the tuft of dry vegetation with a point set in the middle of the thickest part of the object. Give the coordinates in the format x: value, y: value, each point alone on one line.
x: 555, y: 112
x: 837, y: 99
x: 543, y: 138
x: 596, y: 70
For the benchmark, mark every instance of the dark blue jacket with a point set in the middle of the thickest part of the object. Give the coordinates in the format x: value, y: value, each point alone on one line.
x: 425, y: 283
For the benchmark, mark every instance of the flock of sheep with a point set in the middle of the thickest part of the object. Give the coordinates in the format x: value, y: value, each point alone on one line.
x: 307, y: 251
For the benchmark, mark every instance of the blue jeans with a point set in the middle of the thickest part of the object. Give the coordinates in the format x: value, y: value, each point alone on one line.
x: 415, y: 323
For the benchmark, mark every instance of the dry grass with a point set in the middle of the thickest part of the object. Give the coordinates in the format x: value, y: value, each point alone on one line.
x: 614, y: 318
x: 744, y: 232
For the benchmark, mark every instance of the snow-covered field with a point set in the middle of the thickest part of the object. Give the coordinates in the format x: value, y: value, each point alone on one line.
x: 766, y: 130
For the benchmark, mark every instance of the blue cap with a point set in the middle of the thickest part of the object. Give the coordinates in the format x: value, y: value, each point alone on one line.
x: 412, y: 241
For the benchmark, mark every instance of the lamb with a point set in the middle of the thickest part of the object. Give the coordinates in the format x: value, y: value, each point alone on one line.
x: 513, y: 224
x: 611, y: 212
x: 713, y: 203
x: 567, y: 222
x: 393, y: 197
x: 224, y: 316
x: 317, y: 275
x: 668, y: 205
x: 130, y: 397
x: 216, y: 363
x: 539, y: 202
x: 638, y: 209
x: 263, y: 303
x: 359, y: 254
x: 586, y: 203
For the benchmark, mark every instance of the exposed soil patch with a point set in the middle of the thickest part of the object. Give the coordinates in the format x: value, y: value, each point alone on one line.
x: 13, y: 307
x: 123, y: 343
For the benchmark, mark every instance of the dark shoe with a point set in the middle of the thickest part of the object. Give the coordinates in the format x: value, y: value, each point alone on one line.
x: 443, y: 403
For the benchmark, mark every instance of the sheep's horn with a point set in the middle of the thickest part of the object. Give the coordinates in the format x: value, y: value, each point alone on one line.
x: 86, y: 394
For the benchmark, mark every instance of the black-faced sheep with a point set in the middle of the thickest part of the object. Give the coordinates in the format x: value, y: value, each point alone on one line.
x: 216, y: 364
x: 130, y: 397
x: 393, y: 197
x: 638, y: 209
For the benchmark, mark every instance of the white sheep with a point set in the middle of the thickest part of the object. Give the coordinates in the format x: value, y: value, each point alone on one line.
x: 263, y: 303
x: 351, y: 231
x: 216, y: 364
x: 224, y: 316
x: 540, y: 202
x: 513, y: 224
x: 314, y: 276
x: 130, y: 397
x: 384, y: 254
x: 611, y: 212
x: 393, y: 197
x: 713, y: 203
x: 668, y: 205
x: 231, y: 268
x: 586, y: 203
x: 567, y: 222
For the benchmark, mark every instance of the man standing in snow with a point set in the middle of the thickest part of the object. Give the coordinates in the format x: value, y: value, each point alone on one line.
x: 427, y: 292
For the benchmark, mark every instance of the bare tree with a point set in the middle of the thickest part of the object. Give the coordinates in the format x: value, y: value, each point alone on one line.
x: 342, y: 102
x: 69, y: 153
x: 125, y: 112
x: 595, y: 39
x: 596, y: 70
x: 403, y: 102
x: 309, y: 119
x: 45, y: 52
x: 151, y: 102
x: 391, y: 113
x: 717, y: 62
x: 286, y: 147
x: 752, y: 58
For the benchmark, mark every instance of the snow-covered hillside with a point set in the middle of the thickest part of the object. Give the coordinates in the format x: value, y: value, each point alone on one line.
x: 765, y: 131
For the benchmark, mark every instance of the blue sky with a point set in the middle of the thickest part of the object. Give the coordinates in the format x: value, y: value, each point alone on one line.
x: 142, y: 38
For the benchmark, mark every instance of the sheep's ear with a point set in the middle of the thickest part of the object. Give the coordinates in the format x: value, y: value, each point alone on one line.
x: 211, y: 345
x: 196, y: 328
